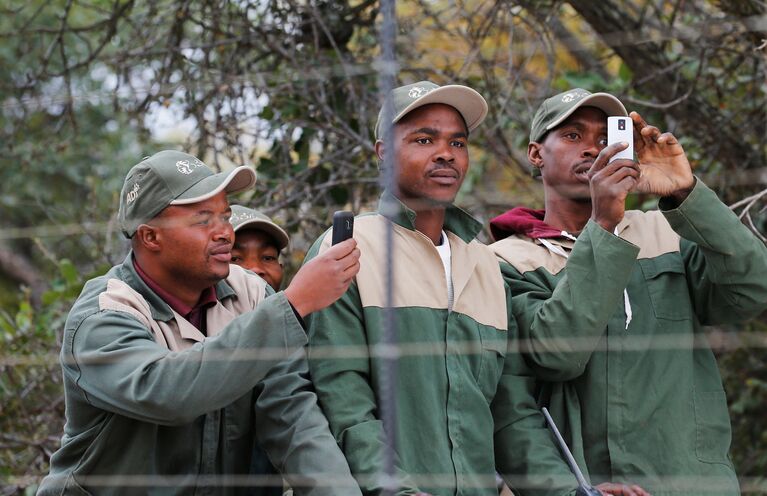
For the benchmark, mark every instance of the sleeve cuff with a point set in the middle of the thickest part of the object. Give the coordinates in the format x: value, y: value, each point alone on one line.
x: 601, y: 235
x: 668, y: 204
x: 295, y: 334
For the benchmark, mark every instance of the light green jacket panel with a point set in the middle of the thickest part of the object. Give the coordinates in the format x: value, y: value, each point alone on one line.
x: 464, y: 396
x: 650, y: 407
x: 183, y: 421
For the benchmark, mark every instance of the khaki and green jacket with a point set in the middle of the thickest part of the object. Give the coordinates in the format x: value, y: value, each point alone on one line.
x: 641, y: 402
x: 464, y: 396
x: 155, y: 407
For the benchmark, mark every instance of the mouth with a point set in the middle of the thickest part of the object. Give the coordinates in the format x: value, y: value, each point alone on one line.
x: 581, y: 171
x: 445, y: 177
x: 222, y: 254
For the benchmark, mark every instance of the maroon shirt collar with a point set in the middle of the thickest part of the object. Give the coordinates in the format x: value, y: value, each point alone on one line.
x: 191, y: 313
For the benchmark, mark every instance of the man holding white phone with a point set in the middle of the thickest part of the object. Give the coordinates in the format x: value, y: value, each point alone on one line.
x: 610, y: 303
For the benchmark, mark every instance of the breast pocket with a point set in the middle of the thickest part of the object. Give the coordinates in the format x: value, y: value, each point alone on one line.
x: 494, y: 343
x: 667, y: 286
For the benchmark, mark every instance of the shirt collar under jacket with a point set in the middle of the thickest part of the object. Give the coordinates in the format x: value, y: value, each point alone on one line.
x: 457, y: 220
x: 160, y: 309
x: 192, y: 313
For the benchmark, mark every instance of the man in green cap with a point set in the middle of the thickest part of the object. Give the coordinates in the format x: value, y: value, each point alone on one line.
x: 176, y: 364
x: 464, y: 396
x: 258, y: 242
x: 610, y: 303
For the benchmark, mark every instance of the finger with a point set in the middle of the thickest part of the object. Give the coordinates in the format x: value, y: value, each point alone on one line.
x: 628, y: 182
x: 342, y: 249
x: 614, y: 172
x: 350, y: 271
x: 639, y: 125
x: 639, y: 122
x: 605, y: 155
x: 667, y: 139
x: 639, y: 490
x: 617, y: 165
x: 650, y: 132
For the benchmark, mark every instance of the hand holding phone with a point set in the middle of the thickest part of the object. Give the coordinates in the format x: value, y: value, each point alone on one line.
x: 343, y: 226
x: 619, y: 129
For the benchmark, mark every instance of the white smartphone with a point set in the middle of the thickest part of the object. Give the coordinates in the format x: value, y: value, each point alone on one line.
x: 619, y: 129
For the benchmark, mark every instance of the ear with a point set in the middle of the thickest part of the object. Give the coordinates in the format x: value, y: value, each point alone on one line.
x: 534, y: 154
x: 380, y: 150
x: 148, y: 237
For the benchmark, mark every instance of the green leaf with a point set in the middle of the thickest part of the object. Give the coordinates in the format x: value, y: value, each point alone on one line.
x: 68, y: 271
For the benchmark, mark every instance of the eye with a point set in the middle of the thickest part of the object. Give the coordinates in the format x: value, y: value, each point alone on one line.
x: 572, y: 135
x: 603, y: 141
x: 236, y: 258
x: 423, y: 141
x: 458, y: 144
x: 269, y: 258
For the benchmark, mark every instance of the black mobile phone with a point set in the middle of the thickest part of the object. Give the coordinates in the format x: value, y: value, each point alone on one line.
x: 343, y: 226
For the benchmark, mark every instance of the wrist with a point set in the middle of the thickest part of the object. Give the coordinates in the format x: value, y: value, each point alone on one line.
x: 296, y: 302
x: 606, y: 224
x: 680, y: 195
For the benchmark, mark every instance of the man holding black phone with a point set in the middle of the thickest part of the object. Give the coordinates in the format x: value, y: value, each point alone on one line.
x: 464, y: 396
x: 177, y: 364
x: 610, y: 303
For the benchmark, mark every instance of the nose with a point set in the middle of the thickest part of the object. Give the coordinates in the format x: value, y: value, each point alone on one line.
x: 592, y: 149
x: 223, y: 231
x: 256, y: 267
x: 444, y: 152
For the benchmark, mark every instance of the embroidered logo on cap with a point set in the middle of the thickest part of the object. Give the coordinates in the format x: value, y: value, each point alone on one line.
x: 132, y: 194
x: 241, y: 217
x: 573, y: 95
x: 185, y: 167
x: 418, y: 92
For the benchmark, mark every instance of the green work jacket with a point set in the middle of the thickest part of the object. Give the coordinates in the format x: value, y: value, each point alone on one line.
x: 632, y: 380
x: 464, y: 396
x: 155, y: 407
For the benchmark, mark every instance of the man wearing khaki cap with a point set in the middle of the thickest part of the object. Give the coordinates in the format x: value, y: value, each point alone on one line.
x: 175, y: 362
x: 258, y: 242
x: 611, y: 303
x: 464, y: 396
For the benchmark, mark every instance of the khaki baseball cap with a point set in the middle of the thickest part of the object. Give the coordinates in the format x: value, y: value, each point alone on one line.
x: 171, y: 177
x: 243, y: 217
x: 469, y: 103
x: 553, y: 111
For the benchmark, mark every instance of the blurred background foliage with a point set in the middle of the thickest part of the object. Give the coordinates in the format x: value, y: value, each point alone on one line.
x: 89, y: 87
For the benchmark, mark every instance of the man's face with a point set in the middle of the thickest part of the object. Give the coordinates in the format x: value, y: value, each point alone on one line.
x: 196, y: 241
x: 431, y: 156
x: 255, y: 250
x: 567, y: 152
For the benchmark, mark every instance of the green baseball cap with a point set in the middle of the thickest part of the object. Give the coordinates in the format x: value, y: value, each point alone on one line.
x: 468, y: 103
x: 243, y: 217
x: 553, y: 111
x: 170, y: 177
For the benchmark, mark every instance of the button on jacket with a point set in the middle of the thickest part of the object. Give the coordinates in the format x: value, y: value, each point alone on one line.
x: 634, y: 384
x: 464, y: 396
x: 155, y: 407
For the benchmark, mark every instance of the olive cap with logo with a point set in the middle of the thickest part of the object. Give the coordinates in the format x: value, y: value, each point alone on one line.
x: 553, y: 111
x: 468, y: 102
x: 248, y: 218
x: 171, y: 177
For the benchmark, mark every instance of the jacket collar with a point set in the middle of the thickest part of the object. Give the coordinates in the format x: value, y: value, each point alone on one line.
x: 522, y: 221
x: 160, y: 309
x: 457, y: 221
